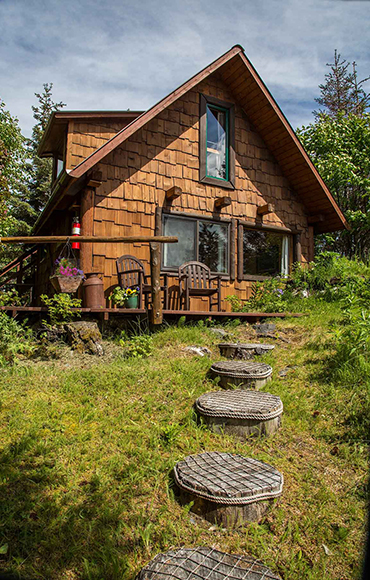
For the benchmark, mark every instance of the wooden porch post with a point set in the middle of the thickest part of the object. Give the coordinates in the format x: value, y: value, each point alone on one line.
x: 87, y: 228
x: 155, y: 272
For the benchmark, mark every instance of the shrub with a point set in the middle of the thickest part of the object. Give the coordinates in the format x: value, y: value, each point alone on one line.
x: 137, y: 346
x: 60, y: 307
x: 15, y: 340
x: 267, y: 296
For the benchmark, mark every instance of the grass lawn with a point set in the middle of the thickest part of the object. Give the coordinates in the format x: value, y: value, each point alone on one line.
x: 86, y: 449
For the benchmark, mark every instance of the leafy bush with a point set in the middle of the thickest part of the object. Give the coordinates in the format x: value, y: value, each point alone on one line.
x: 10, y: 298
x: 60, y: 307
x: 267, y: 296
x: 15, y: 340
x: 137, y: 346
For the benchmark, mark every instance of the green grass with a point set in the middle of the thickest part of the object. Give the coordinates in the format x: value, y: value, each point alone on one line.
x: 86, y: 456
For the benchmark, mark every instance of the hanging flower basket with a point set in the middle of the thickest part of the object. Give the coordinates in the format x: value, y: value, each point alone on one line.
x: 67, y: 278
x: 67, y: 284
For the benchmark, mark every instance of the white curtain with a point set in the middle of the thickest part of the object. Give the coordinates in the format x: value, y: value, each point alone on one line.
x: 285, y: 256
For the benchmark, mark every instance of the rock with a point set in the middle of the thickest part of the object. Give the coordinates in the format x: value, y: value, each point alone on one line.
x: 219, y: 332
x: 84, y: 336
x: 264, y: 329
x: 199, y: 350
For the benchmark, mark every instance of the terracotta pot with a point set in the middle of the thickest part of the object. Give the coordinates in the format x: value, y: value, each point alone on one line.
x: 66, y: 284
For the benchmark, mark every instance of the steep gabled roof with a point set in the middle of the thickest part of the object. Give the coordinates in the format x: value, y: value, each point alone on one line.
x: 260, y: 107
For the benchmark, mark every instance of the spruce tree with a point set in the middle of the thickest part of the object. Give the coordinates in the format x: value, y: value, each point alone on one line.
x: 342, y: 92
x: 41, y: 168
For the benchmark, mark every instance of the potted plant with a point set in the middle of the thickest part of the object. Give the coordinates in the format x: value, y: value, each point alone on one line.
x: 125, y: 297
x: 67, y: 277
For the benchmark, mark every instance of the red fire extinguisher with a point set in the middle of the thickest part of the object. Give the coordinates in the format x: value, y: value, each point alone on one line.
x: 76, y: 231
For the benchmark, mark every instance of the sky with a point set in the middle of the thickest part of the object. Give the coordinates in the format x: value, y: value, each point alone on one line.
x: 119, y: 54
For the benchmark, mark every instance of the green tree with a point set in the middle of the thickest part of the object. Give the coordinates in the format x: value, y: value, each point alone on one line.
x: 41, y: 169
x: 14, y: 207
x: 340, y: 148
x: 342, y: 92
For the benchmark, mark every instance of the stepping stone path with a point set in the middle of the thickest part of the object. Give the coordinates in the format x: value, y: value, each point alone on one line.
x: 241, y: 374
x: 240, y: 412
x: 226, y: 489
x: 243, y: 351
x: 204, y: 563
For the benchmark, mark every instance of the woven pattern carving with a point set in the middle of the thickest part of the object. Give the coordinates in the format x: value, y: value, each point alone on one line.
x: 204, y: 563
x: 228, y: 479
x: 240, y: 349
x: 242, y: 369
x: 240, y: 404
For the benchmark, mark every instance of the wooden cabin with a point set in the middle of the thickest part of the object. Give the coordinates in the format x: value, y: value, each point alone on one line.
x: 215, y: 163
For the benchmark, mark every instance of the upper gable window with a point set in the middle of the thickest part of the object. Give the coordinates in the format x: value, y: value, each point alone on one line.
x: 216, y: 142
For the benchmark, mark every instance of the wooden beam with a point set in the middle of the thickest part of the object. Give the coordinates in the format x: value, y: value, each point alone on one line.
x: 158, y: 221
x: 87, y: 228
x: 173, y: 193
x: 95, y: 179
x: 264, y: 209
x: 233, y: 249
x: 92, y: 239
x: 221, y: 202
x: 155, y: 273
x: 297, y: 249
x: 240, y: 252
x: 315, y: 218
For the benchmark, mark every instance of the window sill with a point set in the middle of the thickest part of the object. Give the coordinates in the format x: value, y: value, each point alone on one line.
x: 217, y: 182
x: 175, y: 273
x: 256, y: 278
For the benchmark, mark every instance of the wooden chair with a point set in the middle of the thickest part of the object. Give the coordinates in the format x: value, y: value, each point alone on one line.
x: 131, y: 274
x: 195, y: 279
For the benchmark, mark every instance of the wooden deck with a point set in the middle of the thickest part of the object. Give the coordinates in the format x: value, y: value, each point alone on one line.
x: 106, y: 313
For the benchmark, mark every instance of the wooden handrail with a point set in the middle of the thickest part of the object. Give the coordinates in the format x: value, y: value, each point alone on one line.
x: 91, y: 239
x: 16, y: 261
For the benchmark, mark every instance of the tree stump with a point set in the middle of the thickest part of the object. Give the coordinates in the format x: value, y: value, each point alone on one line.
x: 243, y: 351
x: 225, y: 489
x: 241, y: 374
x: 240, y: 413
x: 204, y: 563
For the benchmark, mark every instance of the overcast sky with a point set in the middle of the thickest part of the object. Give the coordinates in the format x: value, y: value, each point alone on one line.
x: 119, y: 54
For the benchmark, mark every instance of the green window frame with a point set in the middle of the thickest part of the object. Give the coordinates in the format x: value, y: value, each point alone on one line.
x: 226, y: 129
x: 207, y: 105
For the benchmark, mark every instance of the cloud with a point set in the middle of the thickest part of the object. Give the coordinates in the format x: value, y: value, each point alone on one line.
x: 119, y: 54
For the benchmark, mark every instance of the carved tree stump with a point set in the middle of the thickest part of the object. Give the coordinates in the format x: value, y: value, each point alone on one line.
x: 228, y: 490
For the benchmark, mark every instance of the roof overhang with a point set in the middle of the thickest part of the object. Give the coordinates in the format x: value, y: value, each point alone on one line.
x: 53, y: 139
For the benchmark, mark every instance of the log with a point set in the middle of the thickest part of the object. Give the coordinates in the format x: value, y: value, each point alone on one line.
x: 155, y: 273
x: 173, y: 193
x: 265, y: 209
x: 87, y: 228
x: 222, y: 202
x: 93, y: 239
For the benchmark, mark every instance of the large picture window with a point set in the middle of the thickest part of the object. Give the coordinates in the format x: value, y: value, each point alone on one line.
x: 216, y: 147
x: 201, y: 240
x: 265, y: 253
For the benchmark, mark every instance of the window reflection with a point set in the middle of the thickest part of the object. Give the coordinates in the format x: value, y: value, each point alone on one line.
x: 217, y: 143
x: 200, y: 240
x: 265, y: 253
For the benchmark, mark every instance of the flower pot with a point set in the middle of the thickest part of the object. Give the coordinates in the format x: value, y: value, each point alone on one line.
x: 132, y: 301
x: 66, y: 284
